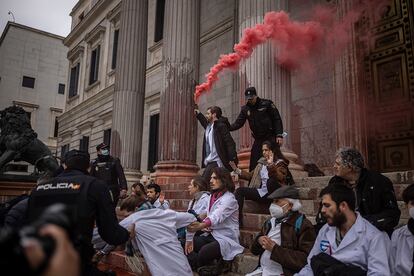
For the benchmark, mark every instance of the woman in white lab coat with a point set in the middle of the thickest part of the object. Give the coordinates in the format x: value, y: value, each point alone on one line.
x: 198, y: 207
x: 222, y: 220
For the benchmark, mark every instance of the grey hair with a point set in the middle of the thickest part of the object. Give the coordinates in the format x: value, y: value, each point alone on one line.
x: 296, y: 204
x: 351, y: 158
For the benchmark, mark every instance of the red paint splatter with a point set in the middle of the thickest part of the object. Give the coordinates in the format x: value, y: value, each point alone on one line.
x: 298, y: 42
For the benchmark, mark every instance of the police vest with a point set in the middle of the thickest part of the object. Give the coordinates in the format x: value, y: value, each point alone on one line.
x: 105, y: 171
x: 72, y: 192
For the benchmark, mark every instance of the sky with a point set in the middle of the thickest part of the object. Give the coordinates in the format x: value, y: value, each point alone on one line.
x: 47, y: 15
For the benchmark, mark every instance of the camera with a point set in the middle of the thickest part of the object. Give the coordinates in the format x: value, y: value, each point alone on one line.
x: 12, y: 256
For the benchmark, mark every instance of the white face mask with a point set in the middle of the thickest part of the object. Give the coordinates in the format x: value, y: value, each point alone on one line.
x: 105, y: 152
x: 276, y: 211
x: 411, y: 212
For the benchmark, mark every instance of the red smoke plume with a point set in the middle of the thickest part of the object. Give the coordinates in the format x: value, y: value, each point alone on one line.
x: 298, y: 42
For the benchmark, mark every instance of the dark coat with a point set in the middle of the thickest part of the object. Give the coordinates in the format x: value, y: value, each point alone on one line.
x: 17, y: 216
x: 293, y: 252
x: 376, y: 200
x: 225, y: 145
x: 264, y: 119
x: 116, y: 178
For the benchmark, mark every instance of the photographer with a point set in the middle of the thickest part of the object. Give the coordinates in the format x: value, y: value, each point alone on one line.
x: 88, y: 198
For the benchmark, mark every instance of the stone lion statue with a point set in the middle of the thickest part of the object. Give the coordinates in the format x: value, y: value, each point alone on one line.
x: 18, y: 142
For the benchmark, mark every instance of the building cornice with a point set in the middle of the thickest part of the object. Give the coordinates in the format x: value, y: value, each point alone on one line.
x: 75, y: 52
x: 86, y: 22
x: 25, y: 104
x: 95, y: 34
x: 114, y: 14
x: 27, y: 28
x: 55, y: 109
x: 217, y: 30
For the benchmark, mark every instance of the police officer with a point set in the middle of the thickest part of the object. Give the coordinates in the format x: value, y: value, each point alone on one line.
x: 109, y: 170
x: 264, y: 121
x: 88, y: 199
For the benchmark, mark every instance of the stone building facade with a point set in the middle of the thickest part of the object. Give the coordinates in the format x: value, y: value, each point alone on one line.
x: 33, y: 72
x: 144, y: 105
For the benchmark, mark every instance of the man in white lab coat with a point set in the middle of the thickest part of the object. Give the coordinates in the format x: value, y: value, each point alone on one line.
x: 156, y: 239
x: 223, y: 224
x: 353, y: 243
x: 402, y: 241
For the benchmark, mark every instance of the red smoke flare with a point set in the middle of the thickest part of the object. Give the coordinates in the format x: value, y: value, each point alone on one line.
x: 297, y: 42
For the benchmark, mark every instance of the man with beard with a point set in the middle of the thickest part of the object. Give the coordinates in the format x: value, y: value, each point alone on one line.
x: 375, y: 197
x: 348, y: 241
x: 109, y: 170
x: 219, y: 148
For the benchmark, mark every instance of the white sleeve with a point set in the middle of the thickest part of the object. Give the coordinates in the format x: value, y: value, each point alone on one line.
x: 203, y: 205
x: 224, y: 209
x: 183, y: 219
x: 393, y: 251
x: 378, y: 255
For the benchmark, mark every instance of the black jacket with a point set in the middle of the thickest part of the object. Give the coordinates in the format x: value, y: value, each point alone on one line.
x: 225, y: 145
x: 115, y: 177
x: 264, y: 119
x: 92, y: 203
x: 17, y: 215
x: 376, y: 200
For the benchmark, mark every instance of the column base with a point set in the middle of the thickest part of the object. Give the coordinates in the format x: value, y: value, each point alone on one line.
x: 132, y: 176
x: 244, y: 159
x: 296, y: 170
x: 170, y: 172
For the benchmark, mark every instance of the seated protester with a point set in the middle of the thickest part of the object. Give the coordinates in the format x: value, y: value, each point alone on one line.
x: 348, y: 243
x: 198, y: 189
x: 261, y: 185
x: 286, y: 237
x: 320, y: 219
x: 198, y: 205
x: 137, y: 186
x: 375, y: 195
x: 222, y: 220
x: 155, y: 197
x: 156, y: 239
x: 402, y: 240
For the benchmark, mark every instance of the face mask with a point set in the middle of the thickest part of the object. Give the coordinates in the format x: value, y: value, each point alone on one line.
x: 276, y: 211
x: 411, y: 212
x: 105, y: 152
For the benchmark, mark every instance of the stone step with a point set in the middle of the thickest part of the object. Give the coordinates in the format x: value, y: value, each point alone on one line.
x: 242, y: 264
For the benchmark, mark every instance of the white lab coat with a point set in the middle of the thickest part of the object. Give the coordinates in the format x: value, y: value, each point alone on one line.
x: 156, y: 237
x: 402, y: 246
x: 201, y: 205
x: 224, y: 217
x: 363, y: 245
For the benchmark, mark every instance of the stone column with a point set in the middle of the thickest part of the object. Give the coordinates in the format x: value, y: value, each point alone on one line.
x: 349, y: 101
x: 271, y: 81
x: 129, y: 94
x: 178, y: 133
